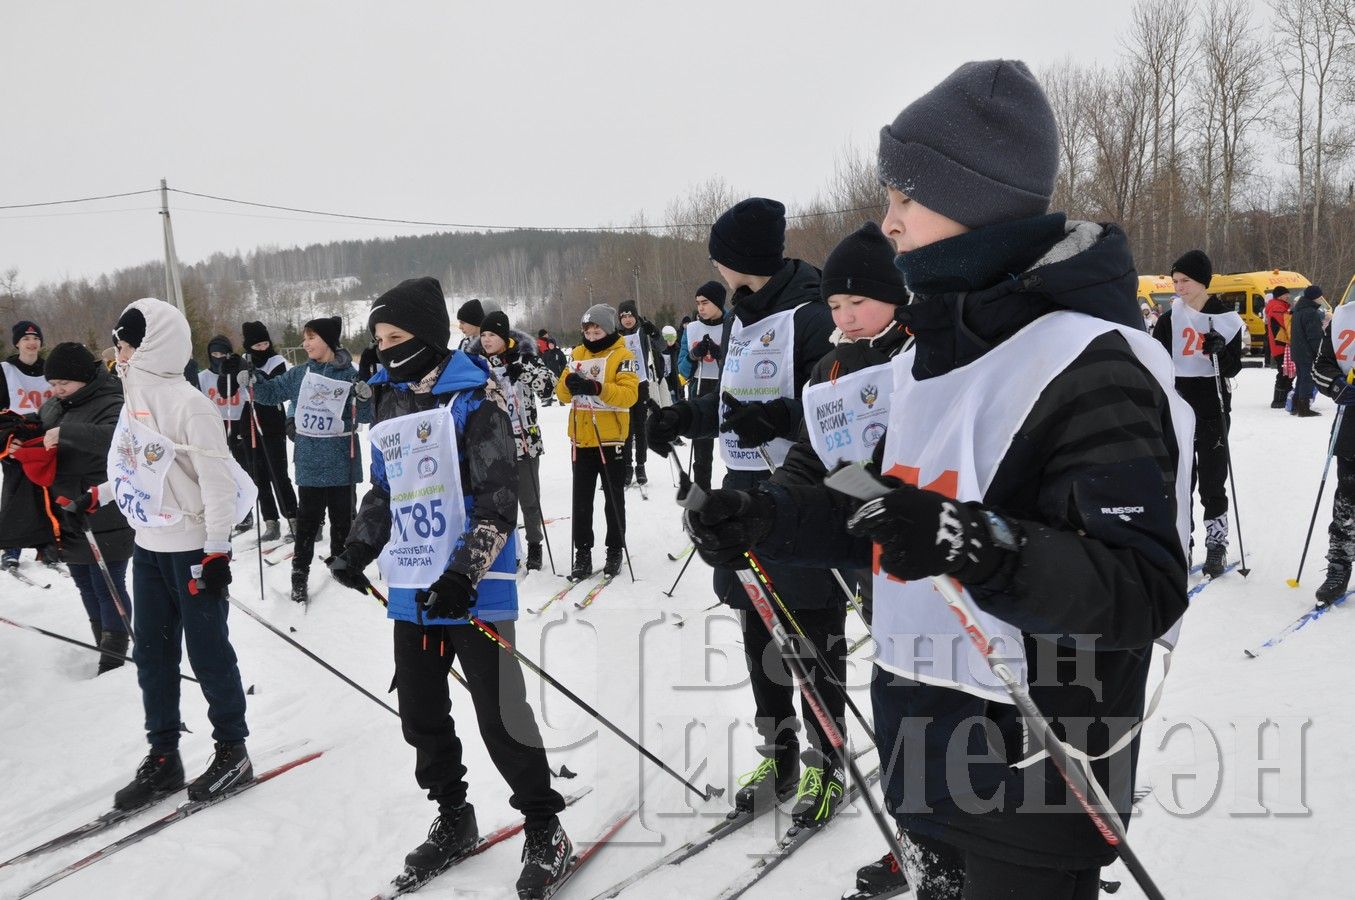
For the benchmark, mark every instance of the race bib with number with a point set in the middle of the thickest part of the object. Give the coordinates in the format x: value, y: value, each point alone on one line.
x: 846, y: 418
x: 594, y: 369
x: 1189, y: 329
x: 427, y: 506
x: 27, y: 393
x: 138, y: 461
x: 320, y: 405
x: 759, y: 366
x: 1343, y: 336
x: 704, y: 366
x: 637, y: 344
x: 231, y: 407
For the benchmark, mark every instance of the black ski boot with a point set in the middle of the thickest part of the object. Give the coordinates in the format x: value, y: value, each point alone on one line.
x: 271, y: 531
x: 774, y: 779
x: 640, y: 476
x: 820, y: 791
x: 453, y: 834
x: 291, y: 529
x: 114, y: 647
x: 545, y: 856
x: 628, y: 477
x: 612, y: 567
x: 229, y: 769
x: 583, y: 564
x: 246, y: 526
x: 1338, y: 580
x: 159, y: 775
x: 9, y: 563
x: 97, y: 627
x: 1304, y: 409
x: 50, y: 556
x: 533, y: 556
x: 882, y: 878
x: 300, y: 588
x: 1214, y: 559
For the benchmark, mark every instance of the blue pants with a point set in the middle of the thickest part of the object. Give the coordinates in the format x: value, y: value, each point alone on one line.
x: 166, y: 617
x: 99, y: 606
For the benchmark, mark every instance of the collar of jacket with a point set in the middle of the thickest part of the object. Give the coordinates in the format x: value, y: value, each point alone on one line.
x: 980, y: 258
x: 606, y: 342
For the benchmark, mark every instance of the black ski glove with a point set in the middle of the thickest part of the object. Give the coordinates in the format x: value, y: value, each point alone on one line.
x: 667, y: 424
x: 290, y: 429
x: 729, y: 523
x: 923, y: 533
x: 87, y: 504
x: 581, y: 386
x: 756, y: 423
x: 514, y: 371
x: 212, y: 577
x: 1214, y: 343
x: 450, y: 597
x: 707, y: 349
x: 347, y: 566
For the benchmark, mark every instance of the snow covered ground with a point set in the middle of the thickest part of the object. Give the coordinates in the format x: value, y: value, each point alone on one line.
x: 340, y: 826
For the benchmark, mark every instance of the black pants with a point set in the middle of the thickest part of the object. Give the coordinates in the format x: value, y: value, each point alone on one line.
x: 637, y: 445
x: 310, y: 513
x: 499, y: 695
x: 1341, y: 532
x: 940, y: 871
x: 588, y: 467
x: 1283, y: 382
x: 703, y: 450
x: 773, y: 688
x: 1211, y: 466
x: 275, y: 490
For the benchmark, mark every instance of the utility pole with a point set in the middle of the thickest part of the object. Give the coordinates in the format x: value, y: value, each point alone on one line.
x: 636, y: 272
x: 173, y: 286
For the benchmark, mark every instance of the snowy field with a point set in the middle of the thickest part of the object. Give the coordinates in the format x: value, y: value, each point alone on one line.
x: 341, y: 825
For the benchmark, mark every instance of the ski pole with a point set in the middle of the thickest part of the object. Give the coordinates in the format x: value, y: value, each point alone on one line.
x: 108, y: 576
x: 197, y: 571
x: 1322, y: 487
x: 847, y: 592
x: 856, y: 482
x: 607, y: 490
x: 61, y: 637
x: 1228, y: 458
x: 683, y: 571
x: 488, y: 631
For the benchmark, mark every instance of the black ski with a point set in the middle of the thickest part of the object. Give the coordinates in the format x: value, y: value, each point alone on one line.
x: 13, y: 570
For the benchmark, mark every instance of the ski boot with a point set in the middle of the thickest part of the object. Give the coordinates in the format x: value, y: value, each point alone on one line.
x: 271, y: 531
x: 114, y: 647
x: 583, y: 564
x: 159, y: 775
x: 244, y: 527
x: 1304, y: 409
x: 291, y: 529
x: 820, y: 791
x: 9, y: 563
x: 628, y: 475
x: 1338, y: 579
x: 97, y: 627
x: 612, y: 566
x: 230, y: 768
x: 533, y: 556
x: 50, y: 556
x: 453, y: 834
x: 882, y: 878
x: 545, y: 857
x: 300, y: 587
x: 774, y: 778
x: 1215, y: 546
x: 640, y: 476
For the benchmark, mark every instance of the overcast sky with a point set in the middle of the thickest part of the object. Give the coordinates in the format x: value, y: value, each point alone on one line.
x: 512, y: 113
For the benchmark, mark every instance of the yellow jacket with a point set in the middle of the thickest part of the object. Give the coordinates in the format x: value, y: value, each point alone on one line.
x: 620, y: 391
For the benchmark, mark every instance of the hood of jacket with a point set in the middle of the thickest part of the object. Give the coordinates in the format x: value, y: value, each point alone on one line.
x: 1089, y: 270
x: 795, y: 283
x: 165, y: 349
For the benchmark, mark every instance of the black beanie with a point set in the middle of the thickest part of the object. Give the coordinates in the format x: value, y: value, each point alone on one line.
x: 1279, y: 291
x: 131, y: 327
x: 627, y: 306
x: 1194, y: 265
x: 26, y: 327
x: 542, y: 333
x: 982, y: 147
x: 713, y: 291
x: 863, y: 265
x: 254, y: 333
x: 70, y: 362
x: 330, y: 329
x: 1312, y: 292
x: 497, y: 323
x: 418, y: 306
x: 750, y: 237
x: 220, y: 344
x: 472, y: 313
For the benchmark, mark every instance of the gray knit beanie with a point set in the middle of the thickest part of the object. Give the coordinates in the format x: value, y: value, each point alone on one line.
x: 980, y: 148
x: 602, y: 315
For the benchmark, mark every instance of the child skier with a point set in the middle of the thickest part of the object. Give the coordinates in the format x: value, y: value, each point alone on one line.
x: 703, y: 349
x: 602, y: 386
x: 328, y: 402
x: 1203, y: 336
x: 24, y: 520
x: 266, y: 445
x: 642, y: 340
x: 1331, y: 375
x: 440, y: 517
x: 522, y: 377
x: 172, y: 475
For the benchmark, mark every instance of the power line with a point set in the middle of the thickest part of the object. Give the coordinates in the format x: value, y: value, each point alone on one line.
x: 78, y: 199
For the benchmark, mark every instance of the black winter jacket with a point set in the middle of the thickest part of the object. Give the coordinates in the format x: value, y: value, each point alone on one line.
x: 87, y: 419
x: 1201, y: 392
x: 24, y: 520
x: 1098, y: 437
x: 1305, y: 333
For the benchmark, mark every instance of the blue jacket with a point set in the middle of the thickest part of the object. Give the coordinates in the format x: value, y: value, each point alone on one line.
x: 320, y: 461
x: 484, y: 445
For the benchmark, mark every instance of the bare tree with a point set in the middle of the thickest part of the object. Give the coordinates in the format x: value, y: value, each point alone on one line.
x: 1065, y: 84
x: 1116, y: 113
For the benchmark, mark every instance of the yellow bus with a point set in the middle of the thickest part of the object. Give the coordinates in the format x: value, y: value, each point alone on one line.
x: 1246, y: 293
x: 1157, y: 291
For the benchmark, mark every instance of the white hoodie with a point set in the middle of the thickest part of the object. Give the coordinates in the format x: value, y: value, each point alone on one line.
x: 200, y: 484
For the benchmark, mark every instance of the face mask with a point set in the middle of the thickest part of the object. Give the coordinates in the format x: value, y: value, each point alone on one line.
x: 407, y: 360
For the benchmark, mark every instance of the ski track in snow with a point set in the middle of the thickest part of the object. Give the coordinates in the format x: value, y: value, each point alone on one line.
x: 340, y: 826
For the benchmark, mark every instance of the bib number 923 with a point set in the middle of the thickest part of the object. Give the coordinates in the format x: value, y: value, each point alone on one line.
x: 425, y: 519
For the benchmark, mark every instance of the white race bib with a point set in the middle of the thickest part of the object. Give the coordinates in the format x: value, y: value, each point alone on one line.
x: 1188, y: 333
x: 846, y: 418
x: 704, y: 368
x: 27, y: 393
x: 759, y: 366
x: 320, y: 405
x: 594, y: 369
x: 231, y: 407
x: 427, y: 507
x: 138, y: 461
x: 1343, y: 336
x: 638, y: 346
